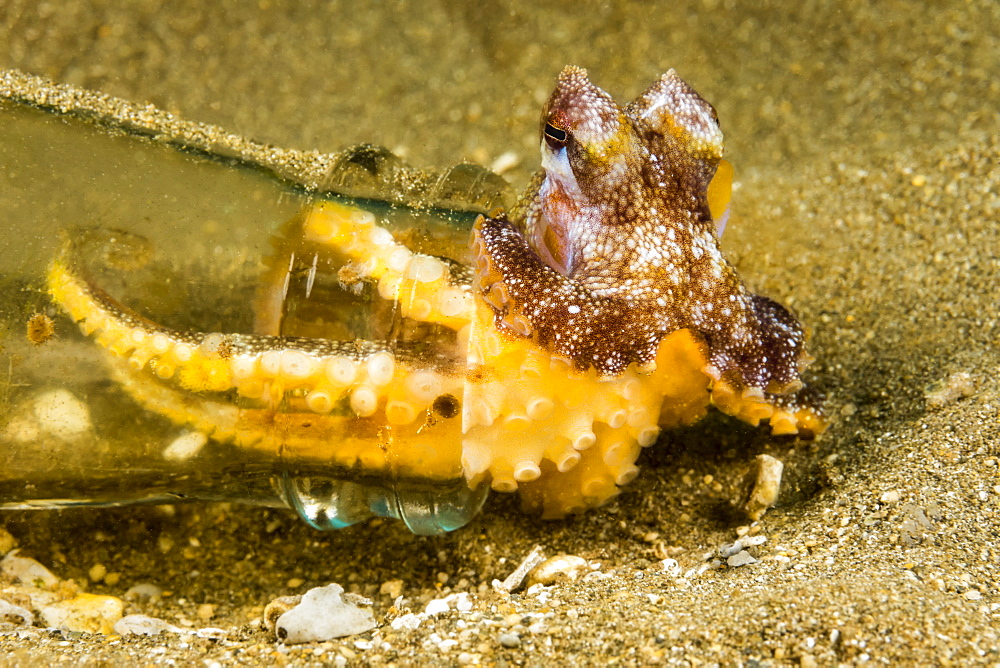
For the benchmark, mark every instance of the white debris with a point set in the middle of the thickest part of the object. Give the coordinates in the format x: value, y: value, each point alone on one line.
x: 459, y: 601
x: 447, y: 644
x: 325, y: 613
x: 211, y: 632
x: 436, y: 607
x: 141, y: 625
x: 27, y: 571
x: 514, y: 580
x: 670, y: 566
x: 185, y: 446
x: 407, y: 622
x: 729, y: 549
x: 62, y: 415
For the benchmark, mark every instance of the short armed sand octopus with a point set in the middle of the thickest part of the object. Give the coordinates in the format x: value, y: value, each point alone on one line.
x: 600, y: 311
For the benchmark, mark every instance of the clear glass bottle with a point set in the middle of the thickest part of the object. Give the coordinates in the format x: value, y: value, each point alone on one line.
x: 196, y: 241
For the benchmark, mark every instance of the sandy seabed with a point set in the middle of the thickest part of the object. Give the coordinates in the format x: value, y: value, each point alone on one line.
x: 865, y: 143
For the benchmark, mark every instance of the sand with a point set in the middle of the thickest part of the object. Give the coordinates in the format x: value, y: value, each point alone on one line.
x: 865, y: 143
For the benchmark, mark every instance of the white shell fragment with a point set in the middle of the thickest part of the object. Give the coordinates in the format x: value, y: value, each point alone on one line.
x: 323, y: 614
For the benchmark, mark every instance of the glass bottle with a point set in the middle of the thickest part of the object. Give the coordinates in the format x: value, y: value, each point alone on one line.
x: 195, y: 241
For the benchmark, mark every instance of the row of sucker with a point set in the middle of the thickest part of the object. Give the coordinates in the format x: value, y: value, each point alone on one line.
x: 338, y: 441
x: 538, y: 430
x: 421, y: 284
x: 307, y: 374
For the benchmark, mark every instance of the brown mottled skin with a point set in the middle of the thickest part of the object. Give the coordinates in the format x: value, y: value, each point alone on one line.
x: 614, y: 247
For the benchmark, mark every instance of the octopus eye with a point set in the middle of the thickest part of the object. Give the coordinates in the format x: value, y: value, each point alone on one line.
x: 554, y: 137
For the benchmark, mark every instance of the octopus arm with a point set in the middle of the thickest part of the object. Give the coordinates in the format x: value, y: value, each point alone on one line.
x: 425, y: 287
x: 757, y: 377
x: 393, y: 385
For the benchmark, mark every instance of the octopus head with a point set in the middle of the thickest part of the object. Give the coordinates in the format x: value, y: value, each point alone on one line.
x: 607, y: 167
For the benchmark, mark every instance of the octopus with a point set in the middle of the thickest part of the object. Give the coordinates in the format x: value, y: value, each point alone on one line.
x: 540, y: 360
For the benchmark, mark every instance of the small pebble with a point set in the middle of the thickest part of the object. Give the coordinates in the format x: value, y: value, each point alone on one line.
x: 509, y: 640
x: 436, y: 607
x: 392, y: 588
x: 323, y: 614
x: 407, y: 622
x: 97, y: 572
x: 7, y: 542
x: 892, y: 496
